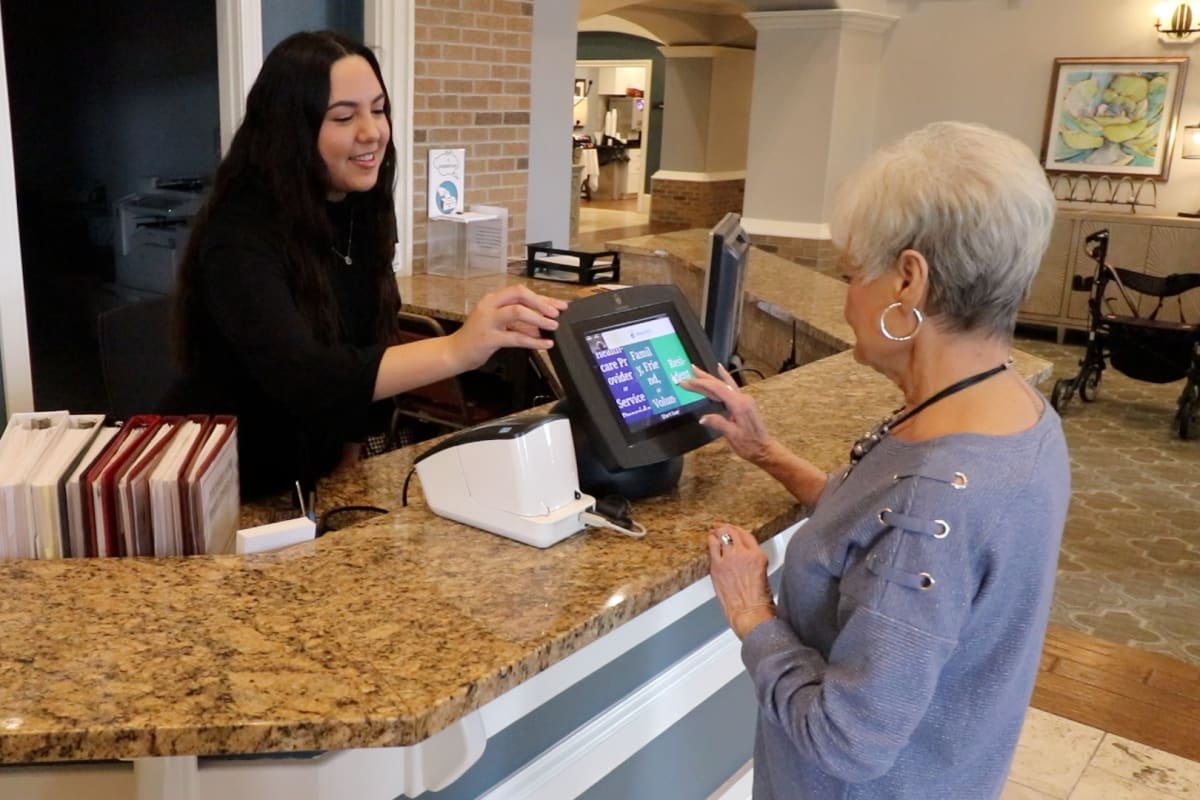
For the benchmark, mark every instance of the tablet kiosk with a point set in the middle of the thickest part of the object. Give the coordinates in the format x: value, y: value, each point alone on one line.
x: 620, y: 356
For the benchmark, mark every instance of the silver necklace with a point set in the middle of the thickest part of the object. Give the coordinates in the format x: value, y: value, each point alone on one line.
x: 349, y: 243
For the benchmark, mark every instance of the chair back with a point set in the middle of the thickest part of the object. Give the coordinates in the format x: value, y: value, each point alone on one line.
x: 135, y: 355
x: 444, y: 402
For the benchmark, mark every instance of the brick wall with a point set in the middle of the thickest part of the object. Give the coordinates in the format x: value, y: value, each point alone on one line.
x: 471, y: 90
x: 814, y: 253
x: 694, y: 204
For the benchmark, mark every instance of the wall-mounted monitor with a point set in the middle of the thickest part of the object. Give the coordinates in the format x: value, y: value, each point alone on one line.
x: 721, y: 306
x: 620, y: 356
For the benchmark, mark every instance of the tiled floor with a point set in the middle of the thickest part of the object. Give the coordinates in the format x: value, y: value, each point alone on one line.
x: 1058, y: 759
x: 597, y: 215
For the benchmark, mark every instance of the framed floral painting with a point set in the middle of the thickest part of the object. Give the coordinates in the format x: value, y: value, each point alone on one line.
x: 1113, y: 116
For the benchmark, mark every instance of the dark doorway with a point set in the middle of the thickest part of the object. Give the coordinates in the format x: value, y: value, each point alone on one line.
x: 106, y: 100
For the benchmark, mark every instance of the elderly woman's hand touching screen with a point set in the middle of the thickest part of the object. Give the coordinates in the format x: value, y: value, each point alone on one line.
x: 749, y: 438
x: 743, y: 427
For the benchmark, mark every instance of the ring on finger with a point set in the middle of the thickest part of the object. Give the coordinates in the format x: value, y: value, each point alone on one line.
x: 726, y: 539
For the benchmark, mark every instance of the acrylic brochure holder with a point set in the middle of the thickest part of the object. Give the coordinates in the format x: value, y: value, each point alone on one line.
x: 468, y: 244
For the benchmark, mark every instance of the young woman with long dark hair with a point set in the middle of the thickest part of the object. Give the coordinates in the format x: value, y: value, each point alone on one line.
x: 286, y: 314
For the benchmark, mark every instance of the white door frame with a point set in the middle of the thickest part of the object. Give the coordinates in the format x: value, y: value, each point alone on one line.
x: 14, y: 326
x: 239, y: 57
x: 388, y: 27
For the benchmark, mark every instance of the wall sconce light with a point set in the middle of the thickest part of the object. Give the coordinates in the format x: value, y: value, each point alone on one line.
x: 1173, y: 21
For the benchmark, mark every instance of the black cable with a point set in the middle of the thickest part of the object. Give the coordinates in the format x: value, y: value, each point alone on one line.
x: 615, y: 508
x: 735, y: 372
x: 404, y: 491
x: 323, y: 526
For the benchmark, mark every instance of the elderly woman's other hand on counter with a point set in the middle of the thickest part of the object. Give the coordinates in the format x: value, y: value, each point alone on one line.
x: 738, y: 567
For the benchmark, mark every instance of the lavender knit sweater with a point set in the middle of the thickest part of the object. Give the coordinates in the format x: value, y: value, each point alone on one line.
x: 870, y: 686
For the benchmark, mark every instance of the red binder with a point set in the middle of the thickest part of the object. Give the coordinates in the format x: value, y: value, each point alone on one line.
x: 132, y: 513
x: 102, y: 538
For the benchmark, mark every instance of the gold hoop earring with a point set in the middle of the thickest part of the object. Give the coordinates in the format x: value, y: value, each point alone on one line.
x: 893, y: 337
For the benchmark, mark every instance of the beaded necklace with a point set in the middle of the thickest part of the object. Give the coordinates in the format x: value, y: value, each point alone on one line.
x: 875, y: 436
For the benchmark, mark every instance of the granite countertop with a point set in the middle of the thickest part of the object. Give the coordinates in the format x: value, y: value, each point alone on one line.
x: 385, y: 633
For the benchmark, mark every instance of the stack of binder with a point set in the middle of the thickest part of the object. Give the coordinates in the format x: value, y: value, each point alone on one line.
x: 71, y: 486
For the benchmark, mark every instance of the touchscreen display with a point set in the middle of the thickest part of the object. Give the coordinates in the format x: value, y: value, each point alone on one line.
x: 642, y: 363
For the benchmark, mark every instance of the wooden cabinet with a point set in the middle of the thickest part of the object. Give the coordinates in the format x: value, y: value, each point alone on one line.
x: 1158, y: 245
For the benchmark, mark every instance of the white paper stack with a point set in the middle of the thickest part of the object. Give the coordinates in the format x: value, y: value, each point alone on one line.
x: 47, y: 485
x: 166, y: 509
x: 27, y: 436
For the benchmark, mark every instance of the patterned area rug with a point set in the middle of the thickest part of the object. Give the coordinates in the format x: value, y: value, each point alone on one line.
x: 1130, y: 565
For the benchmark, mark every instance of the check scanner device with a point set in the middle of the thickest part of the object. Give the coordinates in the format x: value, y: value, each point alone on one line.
x: 622, y: 429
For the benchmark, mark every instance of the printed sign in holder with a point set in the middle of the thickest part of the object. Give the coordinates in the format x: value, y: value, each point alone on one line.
x: 461, y: 243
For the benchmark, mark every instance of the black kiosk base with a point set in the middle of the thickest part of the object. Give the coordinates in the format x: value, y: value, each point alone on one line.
x: 633, y: 483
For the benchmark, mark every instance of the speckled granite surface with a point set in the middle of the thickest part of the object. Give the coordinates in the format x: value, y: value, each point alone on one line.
x: 385, y: 633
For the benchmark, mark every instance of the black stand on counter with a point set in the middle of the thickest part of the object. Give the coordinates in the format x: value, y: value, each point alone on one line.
x: 633, y: 483
x: 542, y: 260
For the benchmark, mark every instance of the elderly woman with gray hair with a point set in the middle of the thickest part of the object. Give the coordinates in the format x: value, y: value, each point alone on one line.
x: 900, y: 657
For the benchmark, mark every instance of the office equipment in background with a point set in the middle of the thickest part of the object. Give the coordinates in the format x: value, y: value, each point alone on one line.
x: 621, y: 356
x: 152, y: 232
x: 721, y: 306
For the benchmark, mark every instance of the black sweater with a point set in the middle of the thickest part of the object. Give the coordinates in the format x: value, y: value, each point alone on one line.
x: 255, y: 354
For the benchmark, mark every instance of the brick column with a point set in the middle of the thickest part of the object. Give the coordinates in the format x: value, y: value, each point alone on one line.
x: 471, y: 89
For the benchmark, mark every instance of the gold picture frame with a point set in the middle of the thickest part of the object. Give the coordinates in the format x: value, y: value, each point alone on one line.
x: 1113, y: 116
